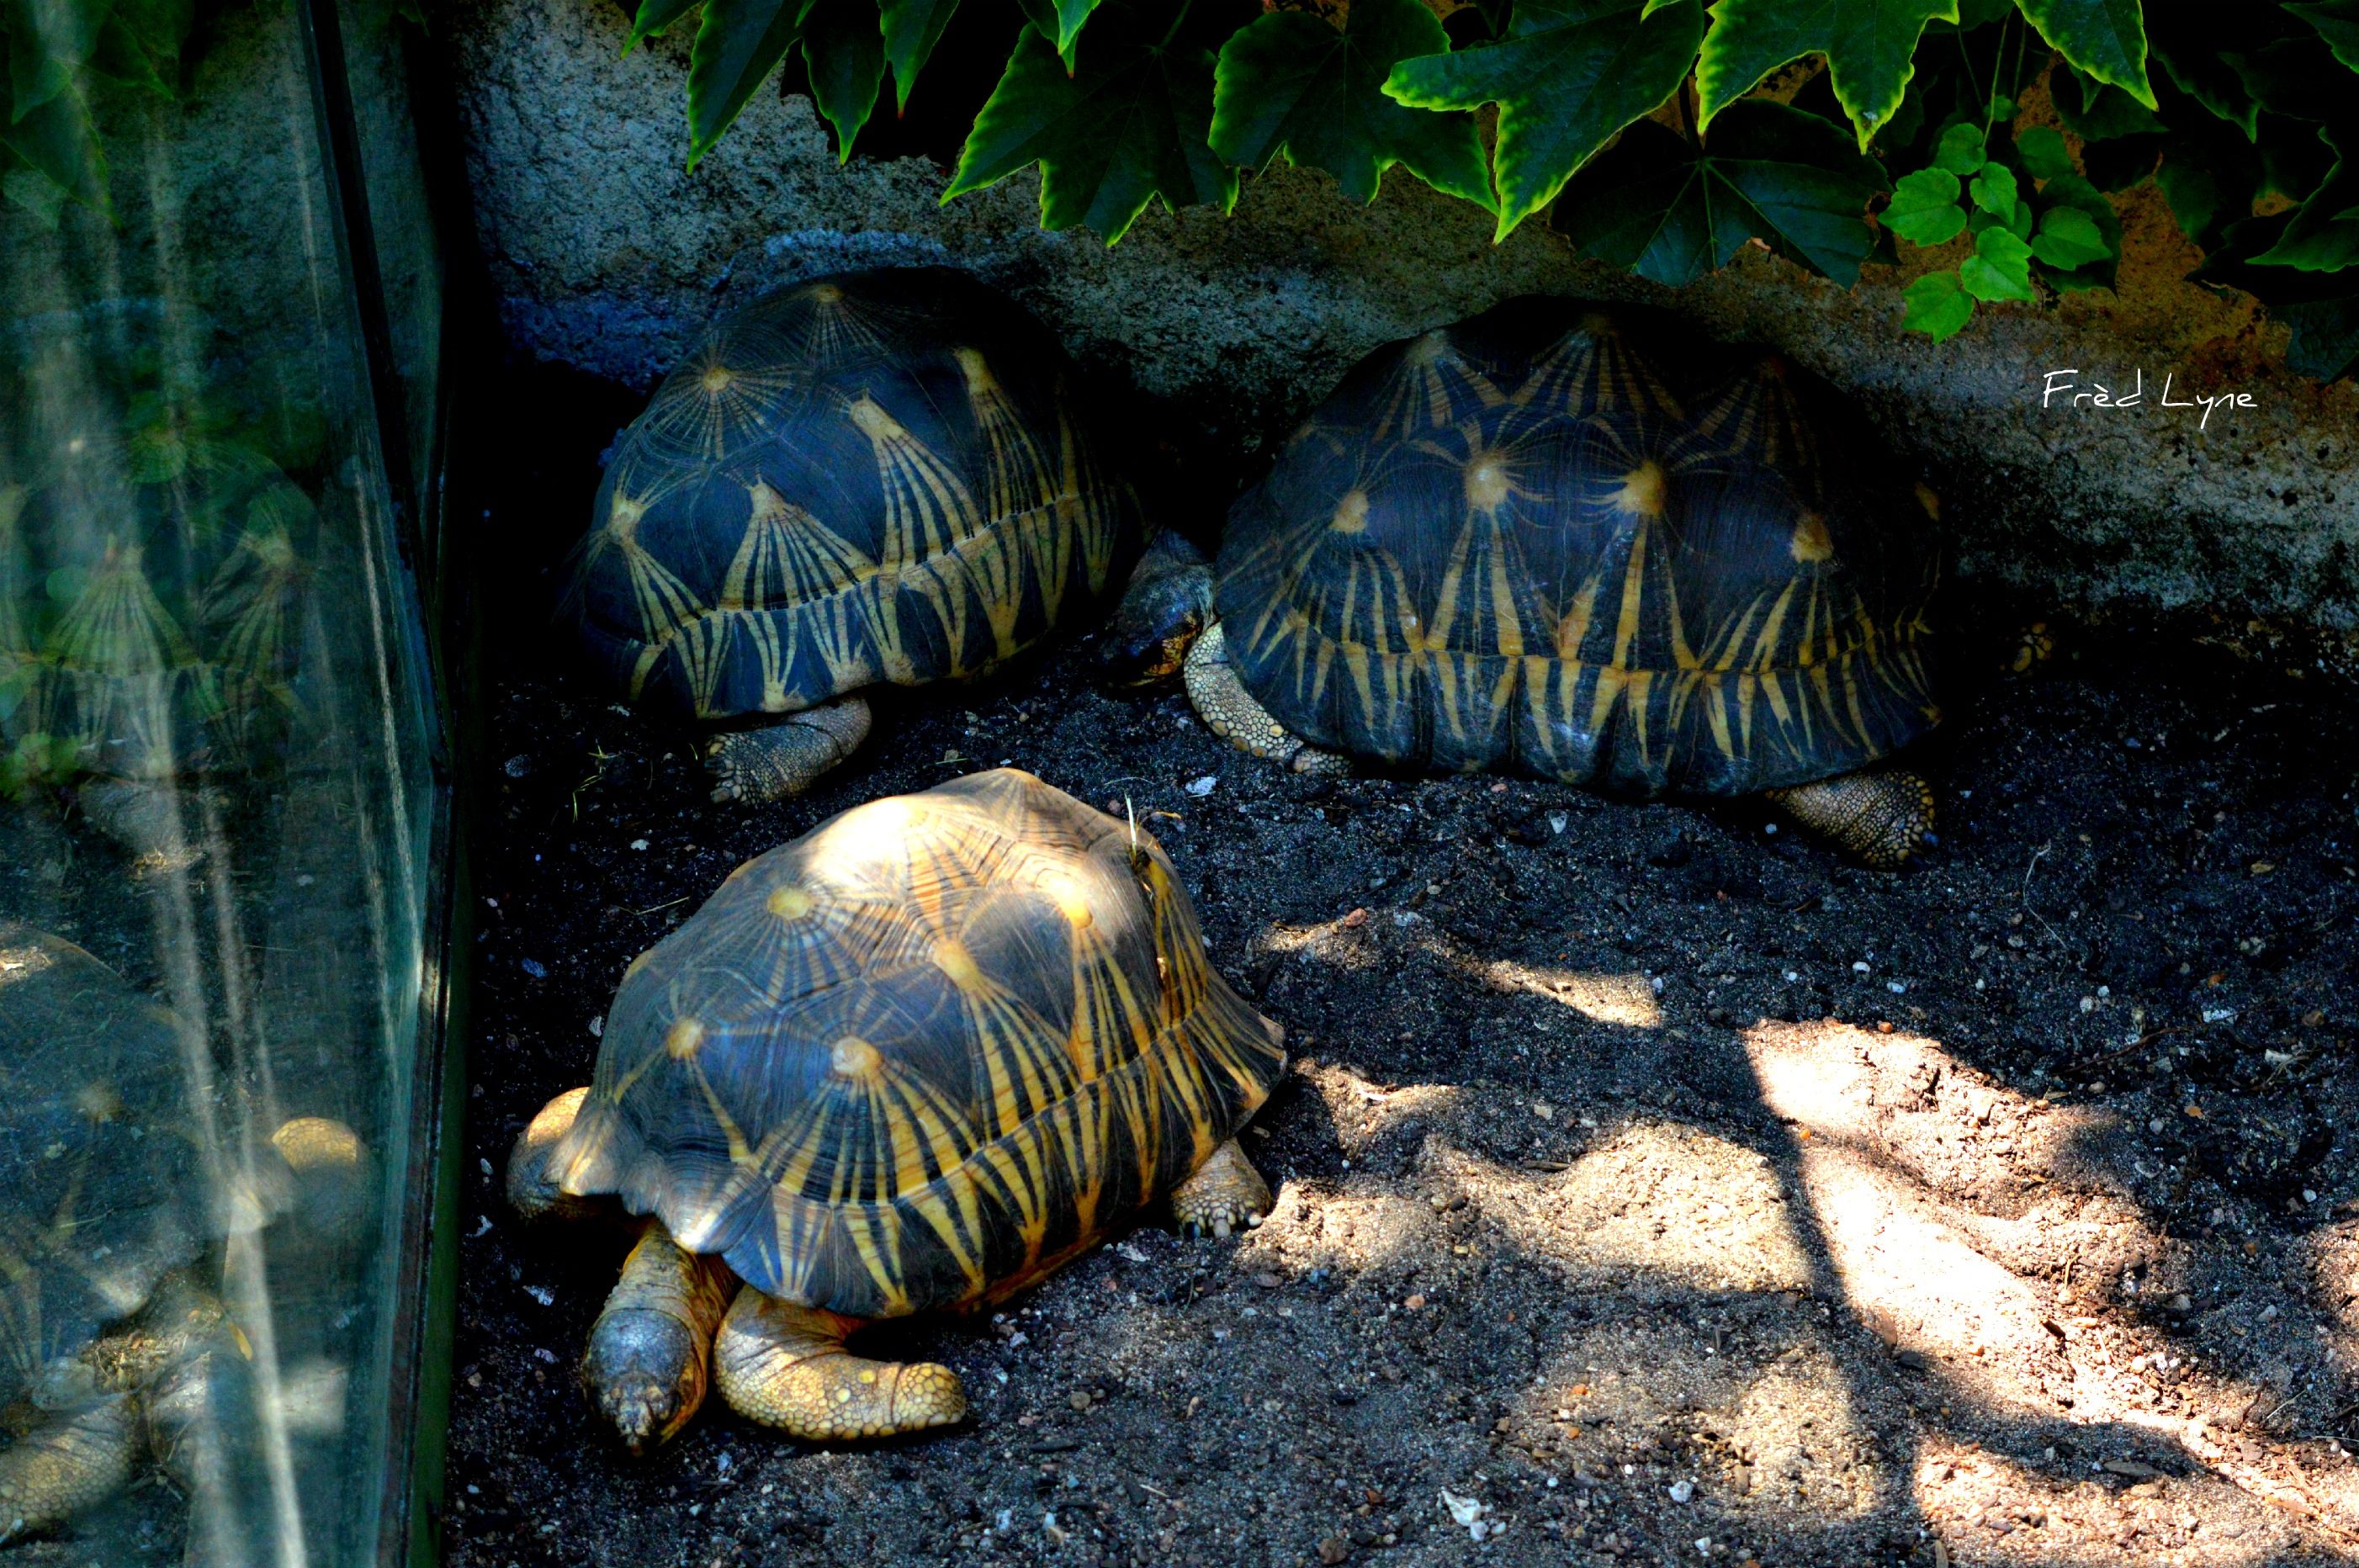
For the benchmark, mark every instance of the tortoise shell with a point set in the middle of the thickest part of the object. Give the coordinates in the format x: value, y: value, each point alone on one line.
x: 922, y: 1054
x: 1580, y: 546
x: 878, y: 476
x: 97, y: 1175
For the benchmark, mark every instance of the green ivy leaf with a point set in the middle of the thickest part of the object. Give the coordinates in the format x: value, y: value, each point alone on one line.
x: 2211, y: 174
x: 2295, y: 78
x: 843, y: 50
x: 1924, y: 208
x: 1937, y: 305
x: 2103, y: 39
x: 1290, y: 82
x: 2323, y: 234
x: 2071, y: 191
x: 1994, y: 191
x: 2337, y: 22
x: 1059, y: 21
x: 1961, y: 149
x: 1868, y: 44
x: 1567, y: 75
x: 2096, y: 110
x: 2043, y: 153
x: 911, y: 29
x: 737, y: 46
x: 2322, y: 308
x: 654, y: 16
x: 1657, y: 204
x: 2000, y: 267
x: 2068, y: 238
x: 1127, y: 126
x: 2205, y: 75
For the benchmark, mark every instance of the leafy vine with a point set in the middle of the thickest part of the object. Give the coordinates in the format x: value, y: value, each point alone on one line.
x: 1658, y: 134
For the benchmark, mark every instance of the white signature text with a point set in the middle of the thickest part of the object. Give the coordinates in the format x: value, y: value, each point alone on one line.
x: 2065, y: 385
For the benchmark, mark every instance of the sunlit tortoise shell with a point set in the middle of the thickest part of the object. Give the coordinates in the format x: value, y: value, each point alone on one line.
x: 878, y: 476
x: 98, y: 1173
x: 922, y: 1054
x: 1576, y: 544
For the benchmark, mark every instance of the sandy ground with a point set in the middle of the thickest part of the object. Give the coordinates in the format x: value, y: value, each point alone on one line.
x: 1651, y: 1186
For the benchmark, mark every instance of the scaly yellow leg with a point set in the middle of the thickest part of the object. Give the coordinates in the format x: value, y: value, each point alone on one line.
x: 786, y: 1367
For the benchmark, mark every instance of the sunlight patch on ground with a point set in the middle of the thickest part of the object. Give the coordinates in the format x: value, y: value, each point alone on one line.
x: 1896, y: 1145
x: 1658, y: 1201
x: 1344, y: 942
x: 1752, y: 1431
x: 1986, y: 1508
x: 1361, y: 1110
x: 1627, y: 999
x: 2334, y: 1270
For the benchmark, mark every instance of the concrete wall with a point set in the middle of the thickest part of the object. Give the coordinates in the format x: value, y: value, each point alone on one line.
x: 608, y: 255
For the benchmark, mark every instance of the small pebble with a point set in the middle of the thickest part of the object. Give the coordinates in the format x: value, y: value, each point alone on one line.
x: 1079, y: 1399
x: 1414, y: 1303
x: 533, y: 968
x: 1682, y: 1489
x: 1200, y: 788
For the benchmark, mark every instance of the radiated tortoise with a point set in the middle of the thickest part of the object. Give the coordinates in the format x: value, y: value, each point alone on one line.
x: 1573, y: 543
x: 874, y: 477
x: 912, y: 1062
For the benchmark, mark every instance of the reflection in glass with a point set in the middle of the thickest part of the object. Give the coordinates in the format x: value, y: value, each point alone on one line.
x: 217, y: 789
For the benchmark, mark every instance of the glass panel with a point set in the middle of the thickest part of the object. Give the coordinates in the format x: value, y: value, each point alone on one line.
x: 218, y: 797
x: 378, y: 36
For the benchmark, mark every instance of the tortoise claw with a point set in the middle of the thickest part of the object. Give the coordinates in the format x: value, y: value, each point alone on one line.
x: 1225, y: 1195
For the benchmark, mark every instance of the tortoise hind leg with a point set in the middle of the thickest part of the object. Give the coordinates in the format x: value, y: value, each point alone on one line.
x: 532, y: 1187
x: 72, y: 1462
x: 758, y: 766
x: 786, y: 1367
x: 1235, y: 715
x: 1883, y: 816
x: 651, y: 1349
x: 1225, y: 1193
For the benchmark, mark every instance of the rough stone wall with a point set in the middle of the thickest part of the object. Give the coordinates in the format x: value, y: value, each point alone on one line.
x: 608, y: 256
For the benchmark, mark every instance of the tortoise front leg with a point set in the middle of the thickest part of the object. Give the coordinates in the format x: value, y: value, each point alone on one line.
x: 1225, y: 1193
x: 758, y: 766
x: 72, y: 1462
x: 786, y: 1367
x: 1883, y: 815
x: 651, y: 1349
x: 1234, y: 714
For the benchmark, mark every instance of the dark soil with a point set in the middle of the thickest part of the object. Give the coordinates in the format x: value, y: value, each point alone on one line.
x: 1650, y: 1182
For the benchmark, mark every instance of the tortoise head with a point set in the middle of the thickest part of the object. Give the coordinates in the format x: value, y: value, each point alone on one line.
x: 647, y: 1375
x: 1167, y: 606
